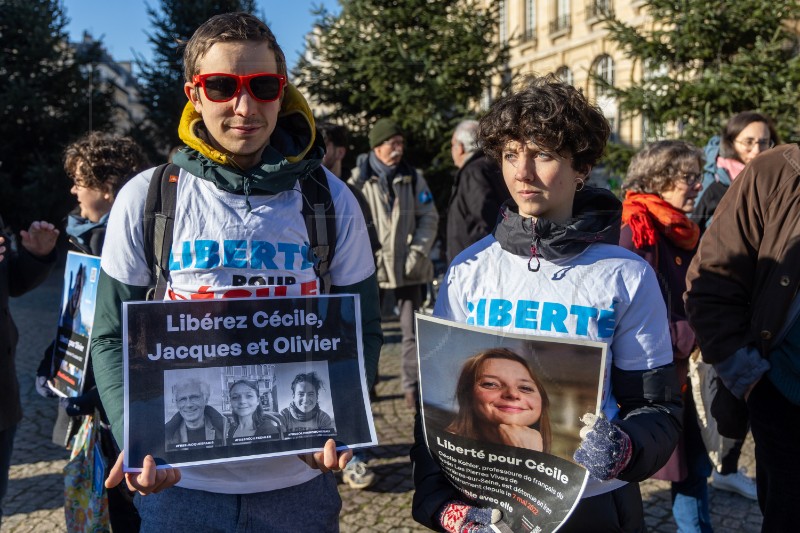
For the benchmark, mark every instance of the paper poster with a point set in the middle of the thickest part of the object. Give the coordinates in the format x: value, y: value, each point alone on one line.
x: 71, y: 349
x: 208, y: 381
x: 501, y: 417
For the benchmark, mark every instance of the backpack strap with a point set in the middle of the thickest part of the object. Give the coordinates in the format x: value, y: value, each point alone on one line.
x: 158, y: 222
x: 320, y: 218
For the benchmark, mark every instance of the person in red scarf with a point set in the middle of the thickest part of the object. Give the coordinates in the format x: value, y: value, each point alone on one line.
x: 661, y: 185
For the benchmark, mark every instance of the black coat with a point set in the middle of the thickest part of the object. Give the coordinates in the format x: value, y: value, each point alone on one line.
x: 19, y: 273
x: 477, y: 194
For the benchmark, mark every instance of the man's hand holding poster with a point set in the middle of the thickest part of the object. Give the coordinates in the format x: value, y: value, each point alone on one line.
x: 501, y: 417
x: 221, y: 380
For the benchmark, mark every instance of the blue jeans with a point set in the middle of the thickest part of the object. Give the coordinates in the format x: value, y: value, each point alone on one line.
x: 6, y: 447
x: 690, y: 496
x: 311, y: 506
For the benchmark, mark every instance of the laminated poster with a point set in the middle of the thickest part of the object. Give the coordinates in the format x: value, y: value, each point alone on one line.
x: 210, y: 381
x: 71, y: 349
x: 501, y: 417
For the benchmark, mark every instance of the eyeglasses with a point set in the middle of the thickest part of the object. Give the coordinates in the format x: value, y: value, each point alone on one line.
x: 692, y: 178
x: 192, y: 398
x: 264, y: 87
x: 749, y: 143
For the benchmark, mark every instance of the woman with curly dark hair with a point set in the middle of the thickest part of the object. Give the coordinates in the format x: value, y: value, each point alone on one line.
x: 98, y: 164
x: 553, y: 266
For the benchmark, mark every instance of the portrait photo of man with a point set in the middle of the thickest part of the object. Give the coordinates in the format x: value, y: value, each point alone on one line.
x: 196, y: 423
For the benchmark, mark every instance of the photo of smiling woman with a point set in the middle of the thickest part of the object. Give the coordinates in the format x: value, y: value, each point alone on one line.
x: 249, y: 421
x: 501, y: 400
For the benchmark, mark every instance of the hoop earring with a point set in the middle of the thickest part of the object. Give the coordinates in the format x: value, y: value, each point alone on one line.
x: 581, y: 184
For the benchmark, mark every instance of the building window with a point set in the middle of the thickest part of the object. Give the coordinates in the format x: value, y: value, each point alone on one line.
x: 561, y: 22
x: 564, y: 74
x: 597, y: 8
x: 530, y: 20
x: 604, y: 70
x: 503, y: 16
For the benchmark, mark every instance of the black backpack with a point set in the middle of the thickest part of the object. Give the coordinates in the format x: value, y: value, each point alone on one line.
x: 159, y: 218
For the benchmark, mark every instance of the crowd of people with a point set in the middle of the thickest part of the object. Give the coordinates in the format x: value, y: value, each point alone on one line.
x: 695, y: 262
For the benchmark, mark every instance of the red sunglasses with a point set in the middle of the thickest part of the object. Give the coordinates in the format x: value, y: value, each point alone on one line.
x: 218, y: 87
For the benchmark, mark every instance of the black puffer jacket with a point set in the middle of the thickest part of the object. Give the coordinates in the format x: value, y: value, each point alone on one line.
x: 649, y: 400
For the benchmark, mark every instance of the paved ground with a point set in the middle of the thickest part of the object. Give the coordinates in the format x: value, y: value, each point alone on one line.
x: 35, y: 493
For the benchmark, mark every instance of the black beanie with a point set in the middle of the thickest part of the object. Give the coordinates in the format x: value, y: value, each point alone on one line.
x: 382, y: 131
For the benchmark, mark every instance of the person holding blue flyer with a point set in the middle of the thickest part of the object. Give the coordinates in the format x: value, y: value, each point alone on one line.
x: 552, y: 267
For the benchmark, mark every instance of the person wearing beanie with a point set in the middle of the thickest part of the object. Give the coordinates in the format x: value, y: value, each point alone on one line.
x: 406, y: 221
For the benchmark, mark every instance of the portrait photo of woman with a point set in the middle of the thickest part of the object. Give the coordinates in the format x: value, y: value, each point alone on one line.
x: 501, y: 400
x: 249, y: 419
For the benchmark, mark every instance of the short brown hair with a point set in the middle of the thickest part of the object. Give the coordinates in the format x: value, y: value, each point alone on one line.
x: 554, y: 115
x: 103, y: 160
x: 225, y: 28
x: 657, y: 166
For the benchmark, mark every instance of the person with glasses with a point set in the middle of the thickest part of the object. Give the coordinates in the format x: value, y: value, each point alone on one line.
x: 745, y: 135
x: 195, y: 421
x: 661, y: 184
x: 250, y: 137
x: 406, y: 221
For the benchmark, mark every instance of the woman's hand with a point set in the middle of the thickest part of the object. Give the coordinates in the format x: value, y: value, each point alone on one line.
x: 40, y: 239
x: 521, y: 437
x: 149, y: 481
x: 328, y: 459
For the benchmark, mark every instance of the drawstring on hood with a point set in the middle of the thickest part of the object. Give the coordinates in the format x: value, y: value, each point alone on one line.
x: 596, y: 218
x: 293, y: 152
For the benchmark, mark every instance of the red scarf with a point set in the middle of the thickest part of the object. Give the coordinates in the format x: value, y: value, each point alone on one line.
x: 648, y: 215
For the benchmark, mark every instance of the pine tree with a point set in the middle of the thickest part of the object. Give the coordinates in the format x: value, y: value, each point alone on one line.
x: 49, y: 96
x: 706, y: 60
x: 424, y: 64
x: 162, y: 78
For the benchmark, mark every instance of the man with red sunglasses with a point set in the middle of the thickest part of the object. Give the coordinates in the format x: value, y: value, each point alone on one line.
x: 250, y: 138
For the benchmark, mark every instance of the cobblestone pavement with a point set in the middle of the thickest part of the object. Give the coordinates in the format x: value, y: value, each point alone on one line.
x: 34, y: 502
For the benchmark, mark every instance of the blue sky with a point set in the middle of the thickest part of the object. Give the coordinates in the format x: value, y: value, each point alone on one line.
x: 123, y: 24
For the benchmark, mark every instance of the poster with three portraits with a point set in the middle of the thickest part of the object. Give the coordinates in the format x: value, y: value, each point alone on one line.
x: 501, y: 416
x: 210, y: 381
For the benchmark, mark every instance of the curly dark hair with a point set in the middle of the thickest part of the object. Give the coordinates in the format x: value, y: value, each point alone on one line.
x: 552, y: 114
x: 310, y: 377
x: 103, y: 160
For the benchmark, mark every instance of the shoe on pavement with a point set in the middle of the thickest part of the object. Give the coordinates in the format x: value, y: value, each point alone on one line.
x: 738, y: 482
x: 357, y: 475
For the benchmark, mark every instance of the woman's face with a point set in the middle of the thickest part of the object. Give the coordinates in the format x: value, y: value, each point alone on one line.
x: 751, y: 141
x: 542, y: 183
x: 94, y: 203
x: 244, y: 400
x: 685, y: 189
x: 505, y: 393
x: 305, y: 396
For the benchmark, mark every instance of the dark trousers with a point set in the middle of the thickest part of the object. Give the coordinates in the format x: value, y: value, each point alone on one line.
x: 409, y: 300
x: 775, y: 423
x: 6, y: 447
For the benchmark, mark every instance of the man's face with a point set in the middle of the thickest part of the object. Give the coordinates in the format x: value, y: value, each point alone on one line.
x: 333, y: 154
x: 457, y: 152
x: 242, y: 126
x: 305, y: 396
x: 390, y: 152
x: 191, y: 402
